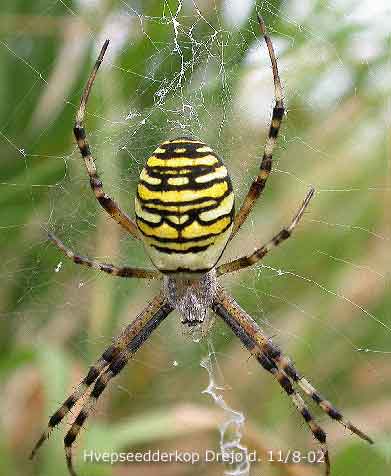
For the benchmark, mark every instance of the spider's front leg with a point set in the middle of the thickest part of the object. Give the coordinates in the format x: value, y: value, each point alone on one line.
x: 108, y: 366
x: 265, y: 168
x: 111, y: 207
x: 123, y: 271
x: 259, y: 253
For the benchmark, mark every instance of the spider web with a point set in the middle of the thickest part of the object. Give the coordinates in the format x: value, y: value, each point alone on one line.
x: 198, y: 68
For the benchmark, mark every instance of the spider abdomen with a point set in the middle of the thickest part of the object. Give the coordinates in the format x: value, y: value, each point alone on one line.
x: 184, y: 206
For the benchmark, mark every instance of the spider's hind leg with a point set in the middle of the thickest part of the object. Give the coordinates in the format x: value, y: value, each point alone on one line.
x: 131, y: 339
x: 108, y: 356
x: 282, y: 378
x: 109, y: 359
x: 272, y: 359
x: 318, y: 433
x: 286, y: 365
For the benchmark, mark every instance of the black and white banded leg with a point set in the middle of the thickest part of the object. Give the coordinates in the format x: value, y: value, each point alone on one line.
x: 109, y: 364
x: 265, y: 168
x: 272, y: 359
x: 283, y: 380
x: 111, y: 207
x: 259, y: 253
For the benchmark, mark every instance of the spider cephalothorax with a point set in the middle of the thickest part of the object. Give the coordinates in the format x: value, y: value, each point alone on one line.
x: 191, y: 297
x: 185, y: 215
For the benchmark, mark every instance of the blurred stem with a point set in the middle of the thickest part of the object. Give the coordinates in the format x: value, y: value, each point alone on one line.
x: 40, y: 25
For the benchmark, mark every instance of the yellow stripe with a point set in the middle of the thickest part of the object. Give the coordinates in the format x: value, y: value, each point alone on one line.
x: 160, y: 151
x: 220, y: 172
x: 147, y: 178
x: 204, y: 148
x: 196, y: 230
x: 181, y: 161
x: 178, y: 181
x: 178, y: 220
x: 223, y: 209
x: 147, y: 216
x: 215, y: 191
x: 162, y: 231
x: 174, y: 172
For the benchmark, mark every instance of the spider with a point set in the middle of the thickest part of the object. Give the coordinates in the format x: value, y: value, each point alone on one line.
x: 185, y: 218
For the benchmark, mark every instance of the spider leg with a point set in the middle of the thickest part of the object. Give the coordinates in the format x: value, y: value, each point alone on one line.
x: 259, y: 182
x: 123, y: 271
x: 111, y: 207
x: 261, y: 354
x: 109, y: 356
x: 259, y: 253
x: 285, y: 364
x: 225, y: 303
x: 146, y: 323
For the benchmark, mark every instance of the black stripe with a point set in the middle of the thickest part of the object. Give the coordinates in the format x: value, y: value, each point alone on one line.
x: 306, y: 414
x: 266, y: 363
x: 69, y: 402
x: 278, y: 113
x: 320, y: 435
x: 193, y: 170
x: 98, y: 388
x: 292, y: 373
x: 286, y: 385
x: 192, y: 249
x: 180, y: 226
x: 283, y: 235
x: 55, y: 419
x: 70, y: 437
x: 334, y: 413
x: 158, y: 169
x: 85, y: 150
x: 191, y: 211
x: 79, y: 132
x: 171, y: 152
x: 81, y: 418
x: 266, y: 163
x: 192, y: 185
x: 117, y: 365
x: 317, y: 398
x: 110, y: 353
x: 92, y: 375
x: 272, y: 351
x: 184, y: 270
x: 95, y: 182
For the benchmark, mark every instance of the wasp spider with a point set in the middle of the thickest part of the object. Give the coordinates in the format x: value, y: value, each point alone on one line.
x: 185, y: 218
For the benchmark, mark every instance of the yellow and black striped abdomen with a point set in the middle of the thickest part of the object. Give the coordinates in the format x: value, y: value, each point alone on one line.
x: 184, y: 206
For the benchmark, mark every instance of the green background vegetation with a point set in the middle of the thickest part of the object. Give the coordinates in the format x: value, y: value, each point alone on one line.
x: 324, y: 295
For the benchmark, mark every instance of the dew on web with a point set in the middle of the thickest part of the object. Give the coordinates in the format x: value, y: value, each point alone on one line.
x: 58, y: 267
